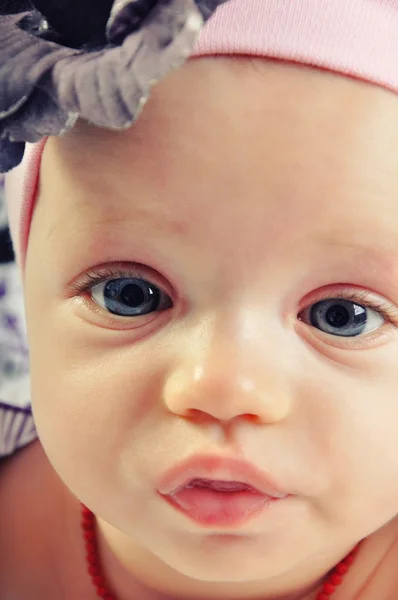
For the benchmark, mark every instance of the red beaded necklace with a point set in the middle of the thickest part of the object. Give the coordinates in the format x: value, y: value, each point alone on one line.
x: 88, y: 524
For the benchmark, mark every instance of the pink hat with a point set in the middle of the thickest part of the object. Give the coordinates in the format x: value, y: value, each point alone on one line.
x: 357, y: 38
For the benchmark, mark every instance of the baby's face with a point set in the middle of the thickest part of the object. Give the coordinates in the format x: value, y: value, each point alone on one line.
x: 223, y: 278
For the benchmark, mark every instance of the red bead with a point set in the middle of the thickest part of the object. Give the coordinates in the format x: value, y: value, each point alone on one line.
x: 323, y: 596
x: 89, y: 535
x: 341, y: 569
x: 336, y: 579
x: 87, y: 516
x: 349, y: 560
x: 94, y: 570
x: 88, y: 525
x: 91, y: 559
x: 328, y: 588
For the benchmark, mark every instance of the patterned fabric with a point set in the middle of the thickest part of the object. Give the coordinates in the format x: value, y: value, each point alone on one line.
x: 16, y: 422
x: 97, y: 59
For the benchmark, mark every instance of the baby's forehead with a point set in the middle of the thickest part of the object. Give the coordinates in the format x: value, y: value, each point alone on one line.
x: 238, y: 148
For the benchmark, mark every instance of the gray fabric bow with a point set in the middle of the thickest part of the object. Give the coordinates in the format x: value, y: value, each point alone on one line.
x: 94, y: 59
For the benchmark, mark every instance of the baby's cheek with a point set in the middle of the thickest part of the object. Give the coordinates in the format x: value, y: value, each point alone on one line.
x: 91, y: 401
x: 357, y: 436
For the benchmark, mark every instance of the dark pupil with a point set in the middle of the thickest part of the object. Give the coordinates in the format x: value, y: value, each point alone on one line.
x: 132, y: 295
x: 337, y: 316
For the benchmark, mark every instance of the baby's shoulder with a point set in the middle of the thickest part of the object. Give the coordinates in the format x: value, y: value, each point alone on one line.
x: 13, y: 505
x: 375, y: 573
x: 19, y: 479
x: 23, y: 494
x: 37, y: 516
x: 16, y: 478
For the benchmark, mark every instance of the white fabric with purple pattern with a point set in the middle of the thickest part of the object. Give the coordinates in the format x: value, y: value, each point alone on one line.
x: 16, y: 422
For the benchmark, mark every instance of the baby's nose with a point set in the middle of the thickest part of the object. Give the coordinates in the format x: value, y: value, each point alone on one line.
x: 224, y: 377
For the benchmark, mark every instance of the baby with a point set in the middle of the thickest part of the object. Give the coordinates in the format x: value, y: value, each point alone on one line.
x: 212, y: 309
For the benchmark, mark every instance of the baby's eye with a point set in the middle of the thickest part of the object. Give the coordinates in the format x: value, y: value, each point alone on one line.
x: 130, y: 297
x: 345, y: 318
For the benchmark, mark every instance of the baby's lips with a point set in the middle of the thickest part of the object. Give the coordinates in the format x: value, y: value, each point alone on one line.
x: 219, y: 471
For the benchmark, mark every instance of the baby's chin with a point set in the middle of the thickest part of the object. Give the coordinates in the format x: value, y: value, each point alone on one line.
x: 220, y: 558
x: 231, y: 573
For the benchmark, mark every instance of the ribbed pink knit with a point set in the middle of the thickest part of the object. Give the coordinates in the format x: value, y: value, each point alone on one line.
x: 357, y: 38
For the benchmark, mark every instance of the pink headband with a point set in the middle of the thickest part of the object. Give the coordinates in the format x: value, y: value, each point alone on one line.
x: 356, y: 38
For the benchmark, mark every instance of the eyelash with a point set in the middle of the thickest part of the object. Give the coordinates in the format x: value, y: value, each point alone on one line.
x: 93, y: 277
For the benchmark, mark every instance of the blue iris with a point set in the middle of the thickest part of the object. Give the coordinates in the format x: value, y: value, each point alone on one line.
x: 130, y: 297
x: 339, y: 317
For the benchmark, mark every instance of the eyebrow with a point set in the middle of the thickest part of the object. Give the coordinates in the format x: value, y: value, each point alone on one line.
x: 380, y: 246
x: 384, y: 255
x: 161, y: 222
